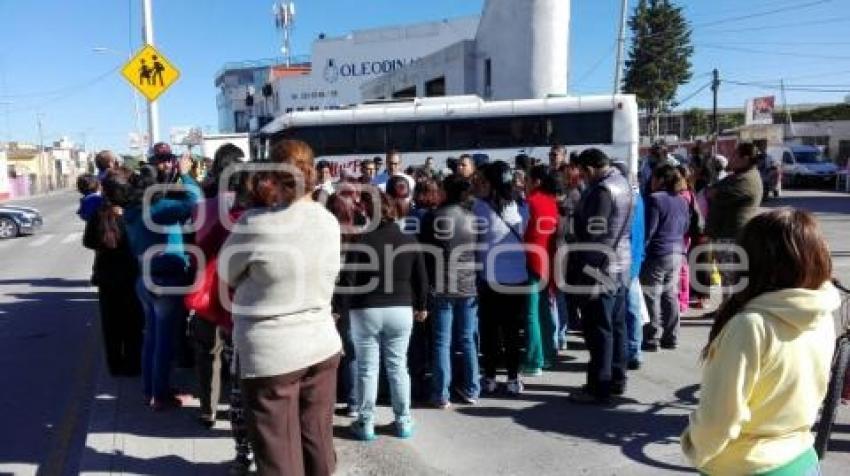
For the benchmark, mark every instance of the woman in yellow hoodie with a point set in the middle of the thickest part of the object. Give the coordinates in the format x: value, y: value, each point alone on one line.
x: 768, y: 356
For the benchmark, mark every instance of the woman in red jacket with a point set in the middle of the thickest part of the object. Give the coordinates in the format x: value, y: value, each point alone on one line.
x: 541, y: 329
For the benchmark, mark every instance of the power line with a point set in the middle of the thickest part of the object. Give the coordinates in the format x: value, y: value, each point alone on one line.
x: 693, y: 94
x: 778, y: 26
x: 64, y: 89
x: 788, y: 88
x: 770, y: 52
x: 595, y: 66
x: 761, y: 14
x: 71, y: 91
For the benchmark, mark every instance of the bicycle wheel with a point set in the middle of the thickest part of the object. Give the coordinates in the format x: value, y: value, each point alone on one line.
x: 833, y: 394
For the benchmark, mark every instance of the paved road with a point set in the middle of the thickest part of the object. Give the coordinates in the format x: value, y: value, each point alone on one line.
x: 48, y: 342
x: 46, y: 316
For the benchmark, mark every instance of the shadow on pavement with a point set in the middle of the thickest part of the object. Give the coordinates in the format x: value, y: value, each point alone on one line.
x: 161, y: 466
x: 45, y: 338
x: 816, y: 204
x: 48, y: 283
x: 632, y: 431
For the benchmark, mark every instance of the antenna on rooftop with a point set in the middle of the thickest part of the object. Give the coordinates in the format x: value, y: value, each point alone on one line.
x: 284, y: 20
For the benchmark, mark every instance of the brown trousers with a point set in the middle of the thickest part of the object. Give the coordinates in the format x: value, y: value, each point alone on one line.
x: 290, y: 420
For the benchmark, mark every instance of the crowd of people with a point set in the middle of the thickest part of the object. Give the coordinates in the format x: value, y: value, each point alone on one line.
x: 300, y: 289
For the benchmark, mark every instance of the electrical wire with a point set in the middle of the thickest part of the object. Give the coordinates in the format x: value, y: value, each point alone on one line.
x: 736, y: 18
x: 776, y: 27
x: 770, y: 52
x: 692, y: 95
x: 69, y: 91
x: 595, y: 66
x: 787, y: 88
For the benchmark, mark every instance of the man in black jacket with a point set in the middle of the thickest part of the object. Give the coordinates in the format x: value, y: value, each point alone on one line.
x: 603, y: 229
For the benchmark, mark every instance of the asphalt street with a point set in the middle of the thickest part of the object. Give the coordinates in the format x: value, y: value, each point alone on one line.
x: 50, y: 361
x: 49, y: 347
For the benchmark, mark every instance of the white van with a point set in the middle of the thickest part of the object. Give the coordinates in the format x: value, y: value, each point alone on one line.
x: 803, y: 164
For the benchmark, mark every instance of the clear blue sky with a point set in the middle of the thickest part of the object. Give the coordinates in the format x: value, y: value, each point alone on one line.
x: 47, y: 65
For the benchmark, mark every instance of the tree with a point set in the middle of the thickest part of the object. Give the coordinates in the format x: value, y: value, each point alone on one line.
x: 696, y: 122
x: 659, y: 57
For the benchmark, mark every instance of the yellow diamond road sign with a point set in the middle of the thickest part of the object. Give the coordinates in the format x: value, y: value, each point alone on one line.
x: 150, y: 72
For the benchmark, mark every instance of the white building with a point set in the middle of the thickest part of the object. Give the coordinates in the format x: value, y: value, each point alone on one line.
x: 341, y: 65
x: 520, y: 51
x: 517, y: 49
x: 251, y: 93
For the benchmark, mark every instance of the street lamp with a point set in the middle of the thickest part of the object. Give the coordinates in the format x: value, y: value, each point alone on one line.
x: 136, y: 107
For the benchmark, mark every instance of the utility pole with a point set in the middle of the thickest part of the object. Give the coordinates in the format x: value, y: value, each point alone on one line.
x: 42, y: 160
x: 715, y: 87
x: 788, y: 129
x: 153, y: 107
x: 621, y: 46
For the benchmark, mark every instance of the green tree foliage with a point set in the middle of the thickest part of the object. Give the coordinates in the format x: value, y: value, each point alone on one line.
x: 837, y: 112
x: 659, y: 58
x: 696, y: 122
x: 730, y: 121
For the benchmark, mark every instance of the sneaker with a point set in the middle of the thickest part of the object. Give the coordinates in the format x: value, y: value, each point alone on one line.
x: 490, y: 385
x: 515, y: 387
x: 533, y: 372
x: 649, y: 347
x: 441, y: 405
x: 363, y: 431
x: 634, y: 364
x: 466, y: 398
x: 351, y: 412
x: 404, y: 428
x: 669, y: 345
x: 563, y: 345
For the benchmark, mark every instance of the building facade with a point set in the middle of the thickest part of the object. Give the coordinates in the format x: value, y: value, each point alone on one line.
x: 519, y: 51
x: 251, y: 93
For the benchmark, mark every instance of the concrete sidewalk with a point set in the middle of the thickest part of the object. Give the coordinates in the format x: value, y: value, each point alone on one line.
x: 126, y: 437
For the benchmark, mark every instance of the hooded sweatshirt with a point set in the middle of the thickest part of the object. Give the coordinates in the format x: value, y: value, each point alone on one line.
x: 763, y: 382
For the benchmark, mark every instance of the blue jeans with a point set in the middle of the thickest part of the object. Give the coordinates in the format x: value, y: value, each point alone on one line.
x: 455, y: 320
x: 162, y: 321
x: 634, y: 322
x: 563, y: 316
x: 382, y: 333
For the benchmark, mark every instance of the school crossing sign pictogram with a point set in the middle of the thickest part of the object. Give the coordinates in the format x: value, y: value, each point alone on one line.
x: 150, y: 72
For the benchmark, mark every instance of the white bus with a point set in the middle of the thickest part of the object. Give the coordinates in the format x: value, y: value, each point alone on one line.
x: 450, y: 126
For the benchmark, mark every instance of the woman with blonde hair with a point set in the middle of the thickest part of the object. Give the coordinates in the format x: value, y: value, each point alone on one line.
x: 768, y: 356
x: 283, y: 259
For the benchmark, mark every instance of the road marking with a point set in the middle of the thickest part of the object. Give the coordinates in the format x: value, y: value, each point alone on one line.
x: 72, y: 237
x: 41, y: 241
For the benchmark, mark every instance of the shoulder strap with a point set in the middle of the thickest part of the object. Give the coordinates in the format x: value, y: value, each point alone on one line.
x: 516, y: 233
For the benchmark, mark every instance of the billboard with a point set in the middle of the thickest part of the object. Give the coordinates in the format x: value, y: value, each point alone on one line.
x: 760, y: 110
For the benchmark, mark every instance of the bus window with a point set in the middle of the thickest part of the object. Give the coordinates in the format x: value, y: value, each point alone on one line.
x: 338, y: 140
x: 495, y: 132
x: 461, y: 135
x: 432, y: 136
x: 311, y: 135
x: 401, y: 136
x: 580, y: 128
x: 371, y: 139
x: 528, y: 131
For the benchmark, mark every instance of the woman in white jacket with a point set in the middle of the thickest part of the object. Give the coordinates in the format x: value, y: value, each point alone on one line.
x: 768, y: 357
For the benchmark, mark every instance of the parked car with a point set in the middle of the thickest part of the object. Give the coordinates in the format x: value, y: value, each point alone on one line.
x: 804, y: 164
x: 15, y: 221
